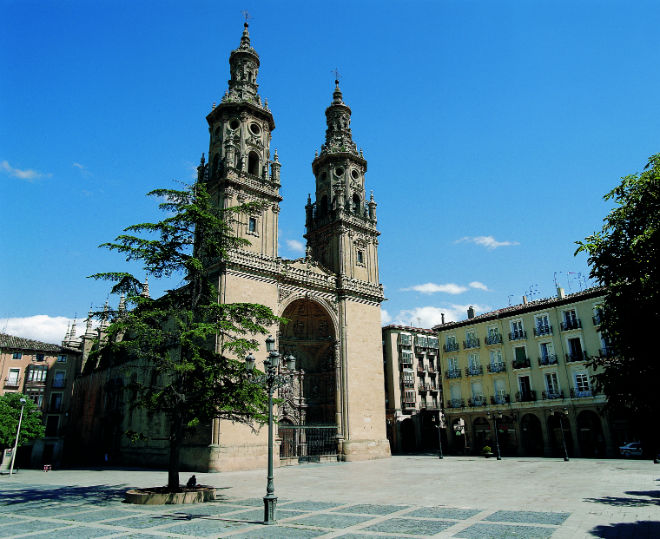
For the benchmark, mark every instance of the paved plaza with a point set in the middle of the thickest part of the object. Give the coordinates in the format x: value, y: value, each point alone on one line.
x: 405, y: 496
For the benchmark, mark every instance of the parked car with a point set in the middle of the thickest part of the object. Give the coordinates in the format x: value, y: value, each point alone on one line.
x: 632, y: 449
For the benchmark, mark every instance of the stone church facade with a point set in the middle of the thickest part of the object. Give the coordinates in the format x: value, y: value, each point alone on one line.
x: 331, y: 297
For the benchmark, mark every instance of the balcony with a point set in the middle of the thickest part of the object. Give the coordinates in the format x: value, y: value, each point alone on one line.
x: 408, y: 383
x: 476, y: 401
x: 422, y: 388
x: 539, y: 331
x: 551, y: 395
x: 572, y: 323
x: 472, y: 343
x: 474, y: 370
x: 524, y: 363
x: 576, y: 356
x: 517, y: 335
x: 597, y: 319
x: 550, y: 359
x: 496, y: 367
x: 577, y: 393
x: 502, y: 398
x: 420, y: 368
x: 455, y: 403
x: 406, y: 361
x: 408, y: 405
x: 431, y: 370
x: 493, y: 339
x: 526, y: 396
x: 450, y: 347
x: 452, y: 374
x: 608, y: 351
x: 12, y: 382
x: 432, y: 388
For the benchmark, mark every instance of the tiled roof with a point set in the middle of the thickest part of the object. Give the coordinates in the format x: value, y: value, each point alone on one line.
x: 526, y: 307
x: 410, y: 328
x: 19, y: 343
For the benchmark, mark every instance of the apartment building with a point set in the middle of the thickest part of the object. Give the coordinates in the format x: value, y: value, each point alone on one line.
x: 524, y: 370
x: 413, y: 388
x: 44, y: 373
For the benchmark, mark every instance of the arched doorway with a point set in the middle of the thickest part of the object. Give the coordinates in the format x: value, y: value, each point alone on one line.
x: 555, y: 422
x: 506, y: 433
x: 310, y: 336
x: 590, y: 434
x: 532, y: 435
x: 408, y: 442
x: 482, y: 435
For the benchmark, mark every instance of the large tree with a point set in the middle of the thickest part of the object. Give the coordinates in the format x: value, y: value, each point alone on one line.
x: 625, y: 257
x: 181, y: 346
x: 32, y: 427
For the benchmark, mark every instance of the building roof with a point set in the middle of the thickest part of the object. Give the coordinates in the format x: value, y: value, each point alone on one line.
x: 409, y: 328
x: 521, y: 308
x: 20, y: 343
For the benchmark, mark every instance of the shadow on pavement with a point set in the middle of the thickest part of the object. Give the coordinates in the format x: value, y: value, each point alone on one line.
x: 621, y: 530
x: 652, y: 498
x: 70, y: 494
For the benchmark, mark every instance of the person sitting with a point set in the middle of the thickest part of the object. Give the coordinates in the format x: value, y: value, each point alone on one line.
x: 192, y: 482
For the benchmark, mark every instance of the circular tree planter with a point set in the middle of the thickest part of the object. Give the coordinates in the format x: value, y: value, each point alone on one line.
x: 160, y: 495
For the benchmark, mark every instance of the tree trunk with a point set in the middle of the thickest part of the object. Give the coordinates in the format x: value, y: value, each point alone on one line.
x: 176, y: 439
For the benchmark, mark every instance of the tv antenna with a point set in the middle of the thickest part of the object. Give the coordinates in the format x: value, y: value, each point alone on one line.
x: 510, y: 296
x: 533, y: 291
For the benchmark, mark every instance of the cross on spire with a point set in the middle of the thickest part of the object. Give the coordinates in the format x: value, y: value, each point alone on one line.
x: 336, y: 72
x: 246, y: 14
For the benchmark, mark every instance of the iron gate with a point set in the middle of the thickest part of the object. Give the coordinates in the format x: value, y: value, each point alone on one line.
x: 308, y: 443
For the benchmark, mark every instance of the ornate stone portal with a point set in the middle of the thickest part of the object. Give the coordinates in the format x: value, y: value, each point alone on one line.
x: 331, y: 297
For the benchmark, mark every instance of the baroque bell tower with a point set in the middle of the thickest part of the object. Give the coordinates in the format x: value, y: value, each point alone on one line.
x: 240, y: 167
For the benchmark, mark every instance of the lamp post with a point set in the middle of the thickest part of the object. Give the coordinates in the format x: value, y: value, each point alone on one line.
x: 440, y: 425
x: 271, y: 380
x: 561, y: 414
x: 18, y: 432
x: 497, y: 415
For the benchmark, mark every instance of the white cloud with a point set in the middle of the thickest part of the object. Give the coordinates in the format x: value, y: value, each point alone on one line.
x: 83, y: 169
x: 27, y: 175
x: 432, y: 288
x: 489, y: 242
x: 479, y: 285
x: 385, y: 317
x: 41, y: 327
x: 427, y: 317
x: 295, y: 246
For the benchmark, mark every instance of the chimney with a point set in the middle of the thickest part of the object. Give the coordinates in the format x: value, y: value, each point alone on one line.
x: 560, y: 293
x: 524, y: 300
x: 443, y: 318
x: 470, y: 312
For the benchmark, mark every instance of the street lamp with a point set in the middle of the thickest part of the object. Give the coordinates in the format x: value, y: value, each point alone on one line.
x: 18, y: 432
x: 561, y: 415
x: 497, y: 415
x: 271, y: 380
x: 441, y: 418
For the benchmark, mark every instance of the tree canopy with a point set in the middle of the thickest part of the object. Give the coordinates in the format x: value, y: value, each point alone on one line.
x: 32, y: 427
x: 625, y: 257
x: 182, y: 346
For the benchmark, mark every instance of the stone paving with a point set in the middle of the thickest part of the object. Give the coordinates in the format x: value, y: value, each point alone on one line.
x: 413, y: 497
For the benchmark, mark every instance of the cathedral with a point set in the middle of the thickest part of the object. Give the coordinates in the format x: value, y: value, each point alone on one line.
x: 331, y: 297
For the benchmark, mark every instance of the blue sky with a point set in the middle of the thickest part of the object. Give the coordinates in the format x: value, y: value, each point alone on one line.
x: 492, y: 130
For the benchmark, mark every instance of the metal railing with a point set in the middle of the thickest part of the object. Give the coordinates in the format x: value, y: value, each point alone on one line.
x: 581, y: 393
x: 453, y: 373
x: 579, y: 356
x: 450, y: 347
x: 497, y: 367
x: 307, y: 443
x: 526, y: 396
x: 493, y: 339
x: 12, y: 382
x: 521, y: 363
x: 517, y: 335
x: 542, y: 330
x: 550, y: 359
x: 549, y: 395
x: 471, y: 343
x: 455, y: 403
x: 474, y: 370
x: 502, y: 398
x: 477, y: 400
x: 571, y: 323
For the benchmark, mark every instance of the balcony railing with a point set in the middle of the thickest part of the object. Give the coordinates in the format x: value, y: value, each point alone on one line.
x: 521, y: 363
x: 581, y: 393
x: 517, y: 335
x: 606, y: 352
x: 474, y: 370
x: 550, y: 359
x: 576, y: 356
x: 422, y: 388
x: 572, y: 323
x: 526, y: 396
x: 550, y: 395
x: 450, y: 347
x: 12, y: 382
x: 471, y: 343
x: 408, y: 383
x: 493, y: 339
x: 502, y: 398
x: 477, y: 400
x: 408, y: 404
x: 497, y: 367
x: 542, y: 330
x: 406, y: 361
x: 453, y: 373
x: 455, y: 403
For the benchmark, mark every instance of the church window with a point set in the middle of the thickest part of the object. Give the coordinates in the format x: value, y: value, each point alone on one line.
x: 356, y: 204
x: 324, y: 205
x: 355, y: 174
x: 255, y: 129
x: 324, y: 176
x: 252, y: 225
x: 360, y: 257
x: 234, y: 124
x: 253, y: 164
x: 339, y: 171
x: 216, y: 164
